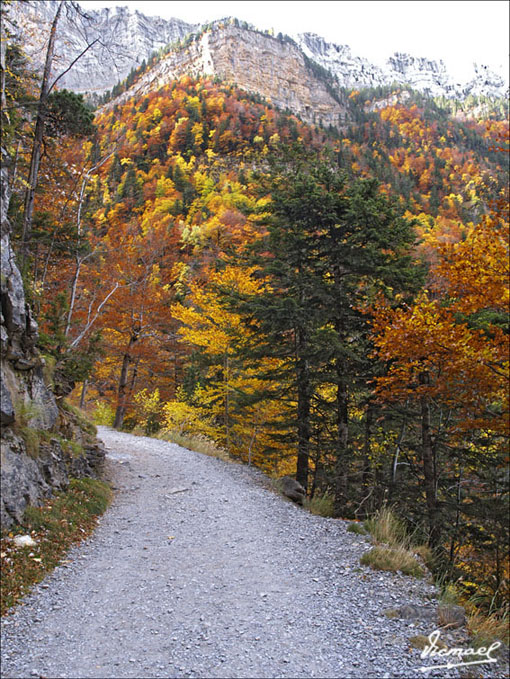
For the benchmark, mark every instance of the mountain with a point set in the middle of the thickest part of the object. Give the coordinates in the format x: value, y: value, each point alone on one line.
x: 139, y: 266
x: 422, y: 74
x: 124, y: 40
x: 302, y: 74
x: 277, y: 70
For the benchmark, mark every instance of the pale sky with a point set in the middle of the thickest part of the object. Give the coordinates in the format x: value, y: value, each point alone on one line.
x: 458, y: 32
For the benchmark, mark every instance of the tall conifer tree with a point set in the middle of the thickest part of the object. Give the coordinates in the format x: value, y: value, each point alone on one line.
x: 329, y: 245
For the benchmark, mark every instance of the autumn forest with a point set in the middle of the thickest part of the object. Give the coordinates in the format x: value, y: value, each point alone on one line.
x: 328, y: 303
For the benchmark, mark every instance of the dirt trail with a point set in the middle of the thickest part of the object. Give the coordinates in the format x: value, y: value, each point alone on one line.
x: 198, y: 570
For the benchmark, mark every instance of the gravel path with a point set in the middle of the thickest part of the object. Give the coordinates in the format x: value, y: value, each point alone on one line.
x: 198, y: 570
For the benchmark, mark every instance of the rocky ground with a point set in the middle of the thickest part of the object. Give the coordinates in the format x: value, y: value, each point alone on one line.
x: 199, y: 570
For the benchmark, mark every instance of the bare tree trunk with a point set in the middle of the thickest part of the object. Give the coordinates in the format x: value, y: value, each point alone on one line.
x: 123, y: 380
x: 341, y: 471
x: 134, y: 377
x: 74, y: 285
x: 303, y: 409
x: 121, y: 394
x: 428, y: 468
x: 35, y: 158
x: 394, y: 465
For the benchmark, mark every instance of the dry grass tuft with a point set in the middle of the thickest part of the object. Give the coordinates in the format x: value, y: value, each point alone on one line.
x: 486, y: 629
x: 419, y: 641
x: 393, y: 551
x: 198, y: 443
x: 394, y: 558
x: 391, y: 613
x: 385, y: 527
x: 321, y: 505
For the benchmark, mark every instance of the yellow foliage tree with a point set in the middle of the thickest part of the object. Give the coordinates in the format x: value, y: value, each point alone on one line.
x: 228, y: 407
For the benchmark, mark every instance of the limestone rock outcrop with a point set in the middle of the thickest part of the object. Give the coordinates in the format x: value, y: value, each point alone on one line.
x: 425, y: 75
x: 275, y: 69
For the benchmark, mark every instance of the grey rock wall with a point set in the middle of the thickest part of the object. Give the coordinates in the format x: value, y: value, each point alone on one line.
x: 422, y: 74
x: 34, y: 462
x: 126, y: 38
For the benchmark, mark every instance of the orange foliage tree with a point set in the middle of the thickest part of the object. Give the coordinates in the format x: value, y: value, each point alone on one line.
x: 448, y: 356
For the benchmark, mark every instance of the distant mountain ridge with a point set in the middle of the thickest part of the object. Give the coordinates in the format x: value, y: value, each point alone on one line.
x: 275, y: 67
x: 422, y: 74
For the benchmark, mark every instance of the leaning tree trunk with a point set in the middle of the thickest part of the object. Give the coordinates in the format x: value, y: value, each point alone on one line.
x: 35, y: 157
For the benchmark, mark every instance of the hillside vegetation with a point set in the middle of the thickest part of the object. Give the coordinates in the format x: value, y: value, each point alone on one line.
x: 325, y: 303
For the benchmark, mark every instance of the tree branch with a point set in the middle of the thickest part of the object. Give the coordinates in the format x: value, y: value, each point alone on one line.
x: 72, y: 64
x: 91, y: 322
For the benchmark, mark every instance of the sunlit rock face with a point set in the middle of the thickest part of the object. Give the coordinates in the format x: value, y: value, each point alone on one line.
x: 255, y: 61
x: 422, y: 74
x: 486, y: 83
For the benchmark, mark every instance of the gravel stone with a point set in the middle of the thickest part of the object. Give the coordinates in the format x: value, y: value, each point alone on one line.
x: 249, y: 585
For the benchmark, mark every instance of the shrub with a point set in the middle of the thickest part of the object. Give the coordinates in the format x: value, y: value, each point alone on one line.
x: 149, y: 407
x: 321, y: 505
x: 104, y: 414
x: 181, y: 418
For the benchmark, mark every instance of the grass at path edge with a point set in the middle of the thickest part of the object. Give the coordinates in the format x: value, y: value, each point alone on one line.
x: 62, y: 521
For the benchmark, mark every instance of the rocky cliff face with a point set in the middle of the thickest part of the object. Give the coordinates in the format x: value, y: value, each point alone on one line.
x: 124, y: 40
x: 41, y: 444
x: 256, y: 62
x: 422, y: 74
x: 351, y: 71
x: 486, y: 83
